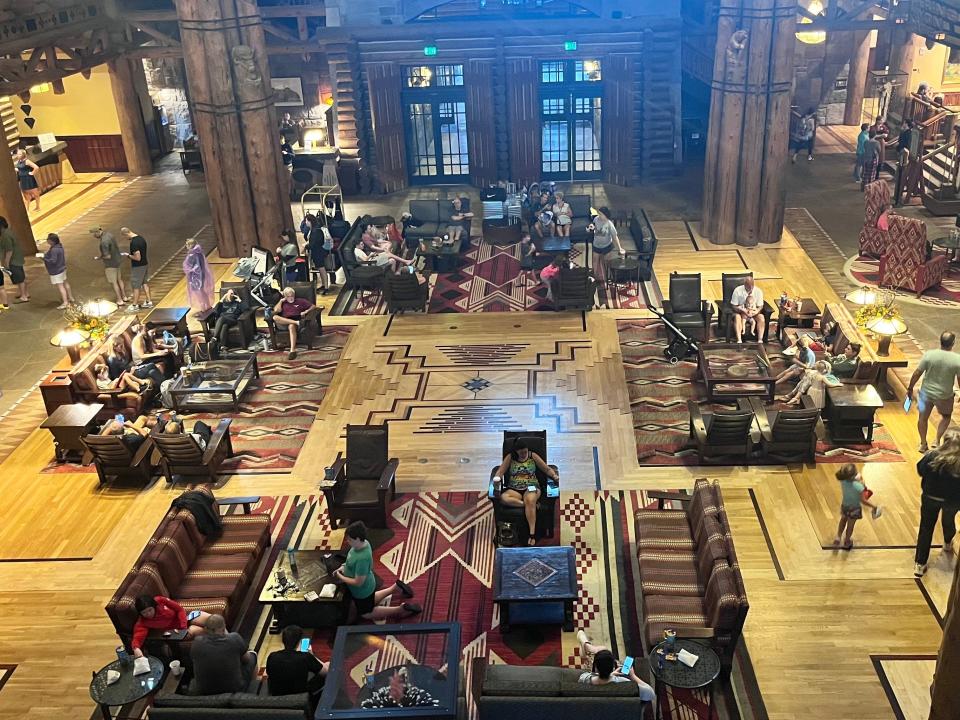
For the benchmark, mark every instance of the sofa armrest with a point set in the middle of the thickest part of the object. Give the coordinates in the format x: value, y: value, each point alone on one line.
x: 248, y: 501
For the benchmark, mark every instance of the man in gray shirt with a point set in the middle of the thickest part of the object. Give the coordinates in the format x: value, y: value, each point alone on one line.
x: 940, y: 370
x: 221, y: 661
x: 110, y: 256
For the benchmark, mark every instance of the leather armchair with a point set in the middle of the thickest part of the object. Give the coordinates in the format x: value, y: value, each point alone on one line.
x: 686, y: 307
x: 310, y: 324
x: 787, y: 435
x: 362, y: 483
x: 726, y: 433
x: 730, y: 282
x: 404, y: 291
x: 549, y: 490
x: 244, y: 332
x: 575, y: 288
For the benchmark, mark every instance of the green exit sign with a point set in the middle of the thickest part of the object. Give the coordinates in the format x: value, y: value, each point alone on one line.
x: 429, y: 50
x: 570, y: 45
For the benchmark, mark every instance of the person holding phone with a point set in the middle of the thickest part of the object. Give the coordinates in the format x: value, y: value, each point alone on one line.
x: 295, y: 669
x: 600, y: 668
x: 521, y: 487
x: 161, y: 613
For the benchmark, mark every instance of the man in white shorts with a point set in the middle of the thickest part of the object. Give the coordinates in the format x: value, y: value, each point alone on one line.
x: 941, y: 372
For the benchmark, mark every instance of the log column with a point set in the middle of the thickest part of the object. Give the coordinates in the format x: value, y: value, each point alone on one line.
x: 744, y: 188
x: 902, y: 56
x: 133, y: 134
x: 946, y: 678
x: 13, y: 209
x: 233, y: 109
x: 857, y: 79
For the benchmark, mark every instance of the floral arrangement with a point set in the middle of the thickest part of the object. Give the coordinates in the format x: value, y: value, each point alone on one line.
x: 868, y: 313
x: 77, y: 318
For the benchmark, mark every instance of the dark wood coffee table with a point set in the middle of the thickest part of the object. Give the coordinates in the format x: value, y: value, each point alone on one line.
x: 129, y: 688
x: 735, y: 370
x: 506, y: 233
x: 677, y: 675
x: 69, y: 424
x: 173, y: 319
x: 806, y: 316
x: 850, y: 411
x: 443, y: 257
x: 290, y: 607
x: 535, y: 585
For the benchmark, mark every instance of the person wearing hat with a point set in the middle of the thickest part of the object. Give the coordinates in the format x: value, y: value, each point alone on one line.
x: 110, y: 257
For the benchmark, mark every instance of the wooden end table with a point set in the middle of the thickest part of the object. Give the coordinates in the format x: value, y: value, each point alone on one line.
x: 536, y: 585
x: 173, y: 319
x: 129, y: 688
x: 69, y: 424
x: 850, y: 412
x: 675, y: 674
x: 806, y: 316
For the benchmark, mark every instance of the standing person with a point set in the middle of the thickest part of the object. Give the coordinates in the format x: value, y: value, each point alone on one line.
x: 357, y: 574
x: 882, y: 134
x: 803, y: 134
x: 110, y: 256
x: 290, y: 671
x: 221, y: 661
x: 871, y: 158
x: 940, y: 493
x: 138, y: 269
x: 853, y: 495
x: 940, y: 370
x: 26, y: 170
x: 12, y: 258
x: 319, y: 245
x: 199, y: 278
x: 861, y: 141
x: 55, y: 260
x: 605, y: 236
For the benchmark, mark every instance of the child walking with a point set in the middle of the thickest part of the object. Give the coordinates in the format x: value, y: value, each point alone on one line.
x: 854, y: 495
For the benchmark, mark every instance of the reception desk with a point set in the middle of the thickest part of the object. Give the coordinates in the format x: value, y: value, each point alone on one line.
x: 52, y: 165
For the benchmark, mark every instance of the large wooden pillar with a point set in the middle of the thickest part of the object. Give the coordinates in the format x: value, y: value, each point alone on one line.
x: 946, y: 678
x: 233, y: 109
x: 13, y: 209
x: 133, y: 134
x: 903, y: 53
x: 857, y: 79
x: 744, y: 191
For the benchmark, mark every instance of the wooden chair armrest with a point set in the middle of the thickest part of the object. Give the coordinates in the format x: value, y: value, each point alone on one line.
x: 696, y: 419
x: 248, y: 501
x: 145, y: 448
x: 478, y: 672
x: 220, y: 432
x: 339, y: 468
x: 662, y: 495
x: 807, y: 403
x: 759, y: 416
x: 389, y: 475
x: 204, y: 315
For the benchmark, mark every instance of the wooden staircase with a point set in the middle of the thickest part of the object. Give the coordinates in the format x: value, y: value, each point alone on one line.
x: 940, y: 180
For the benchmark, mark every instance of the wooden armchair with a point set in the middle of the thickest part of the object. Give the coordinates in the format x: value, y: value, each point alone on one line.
x: 310, y: 324
x: 575, y: 288
x: 180, y: 454
x: 360, y: 485
x: 724, y: 433
x: 114, y: 458
x: 787, y: 435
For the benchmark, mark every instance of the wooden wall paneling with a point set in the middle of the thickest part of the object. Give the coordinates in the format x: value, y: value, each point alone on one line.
x: 661, y: 68
x: 95, y: 153
x: 481, y: 131
x: 523, y: 102
x: 618, y: 118
x: 386, y: 118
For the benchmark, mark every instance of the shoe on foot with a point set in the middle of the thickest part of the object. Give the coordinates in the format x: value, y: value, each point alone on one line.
x: 148, y: 303
x: 23, y: 300
x: 836, y: 542
x: 877, y: 511
x: 923, y: 447
x: 412, y: 608
x: 404, y: 588
x: 62, y: 306
x: 292, y: 355
x: 809, y: 157
x: 919, y: 570
x: 132, y: 307
x: 848, y: 545
x: 948, y: 548
x: 582, y: 637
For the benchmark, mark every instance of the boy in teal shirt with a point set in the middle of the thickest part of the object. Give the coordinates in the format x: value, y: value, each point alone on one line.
x: 357, y: 574
x: 861, y: 140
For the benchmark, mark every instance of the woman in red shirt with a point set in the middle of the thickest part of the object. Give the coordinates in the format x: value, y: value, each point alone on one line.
x: 162, y: 613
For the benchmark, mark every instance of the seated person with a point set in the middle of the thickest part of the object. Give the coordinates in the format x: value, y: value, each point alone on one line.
x: 227, y: 313
x: 287, y: 313
x: 156, y: 612
x: 601, y: 668
x: 290, y: 671
x: 846, y: 364
x: 410, y: 241
x: 126, y: 381
x: 150, y: 359
x: 521, y: 487
x: 539, y: 205
x: 373, y: 240
x: 562, y: 214
x: 201, y: 431
x: 412, y: 270
x: 747, y: 304
x: 813, y: 383
x: 830, y: 332
x: 287, y: 255
x: 803, y: 360
x: 459, y: 211
x: 133, y: 434
x: 545, y: 222
x: 221, y: 661
x: 380, y: 258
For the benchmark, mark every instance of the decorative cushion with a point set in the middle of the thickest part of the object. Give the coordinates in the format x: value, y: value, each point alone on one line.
x: 198, y: 701
x: 174, y: 553
x: 570, y: 687
x: 212, y: 605
x: 425, y: 211
x: 520, y: 681
x: 580, y: 205
x: 241, y: 534
x: 661, y: 612
x: 217, y: 576
x: 669, y: 573
x: 663, y: 529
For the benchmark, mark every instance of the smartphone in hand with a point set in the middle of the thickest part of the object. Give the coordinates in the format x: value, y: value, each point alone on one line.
x: 627, y: 665
x: 305, y: 645
x: 907, y: 404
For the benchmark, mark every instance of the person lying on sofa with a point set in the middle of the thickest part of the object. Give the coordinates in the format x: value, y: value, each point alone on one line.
x: 157, y: 612
x: 221, y: 661
x: 290, y: 671
x: 601, y: 668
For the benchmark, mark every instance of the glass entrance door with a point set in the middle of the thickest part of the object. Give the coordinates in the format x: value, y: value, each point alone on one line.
x: 570, y: 137
x: 437, y: 146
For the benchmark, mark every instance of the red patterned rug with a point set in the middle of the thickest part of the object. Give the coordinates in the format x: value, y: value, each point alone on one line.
x: 658, y: 399
x: 866, y: 271
x: 488, y: 278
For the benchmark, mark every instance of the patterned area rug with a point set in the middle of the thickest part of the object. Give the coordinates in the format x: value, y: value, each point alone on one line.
x: 658, y: 400
x: 440, y: 543
x: 488, y: 278
x: 866, y: 271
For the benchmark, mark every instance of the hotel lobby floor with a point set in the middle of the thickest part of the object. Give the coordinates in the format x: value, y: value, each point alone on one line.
x: 821, y: 622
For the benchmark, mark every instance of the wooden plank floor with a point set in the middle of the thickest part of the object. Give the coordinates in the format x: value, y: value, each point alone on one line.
x: 820, y: 620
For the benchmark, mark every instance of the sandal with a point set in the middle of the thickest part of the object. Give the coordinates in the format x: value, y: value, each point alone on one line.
x: 848, y: 545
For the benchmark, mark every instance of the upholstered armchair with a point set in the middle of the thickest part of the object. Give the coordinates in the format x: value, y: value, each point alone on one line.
x: 360, y: 485
x: 686, y: 308
x: 876, y: 200
x: 575, y: 288
x: 906, y: 262
x: 536, y: 440
x: 404, y: 291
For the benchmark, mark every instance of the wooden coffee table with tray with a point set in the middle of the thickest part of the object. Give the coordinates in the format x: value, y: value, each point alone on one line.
x: 735, y: 370
x: 309, y: 573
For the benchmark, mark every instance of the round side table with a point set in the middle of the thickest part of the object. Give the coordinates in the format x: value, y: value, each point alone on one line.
x: 676, y: 674
x: 129, y: 688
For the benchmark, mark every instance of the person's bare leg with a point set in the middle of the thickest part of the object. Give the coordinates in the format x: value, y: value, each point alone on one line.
x: 69, y: 291
x: 942, y: 426
x: 922, y: 421
x: 382, y: 612
x: 738, y: 327
x: 36, y: 200
x: 761, y: 324
x: 63, y: 294
x: 3, y: 295
x: 146, y: 292
x: 840, y: 527
x: 530, y: 513
x: 848, y: 539
x: 292, y: 329
x: 123, y: 289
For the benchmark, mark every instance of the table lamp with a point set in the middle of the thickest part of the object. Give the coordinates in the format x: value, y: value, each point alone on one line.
x: 70, y: 338
x: 862, y: 296
x: 886, y: 328
x: 100, y: 308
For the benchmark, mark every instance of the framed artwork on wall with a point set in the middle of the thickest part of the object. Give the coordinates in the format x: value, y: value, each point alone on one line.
x: 288, y: 91
x: 951, y: 68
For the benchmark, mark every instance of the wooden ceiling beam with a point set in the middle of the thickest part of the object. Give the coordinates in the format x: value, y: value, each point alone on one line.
x: 147, y: 28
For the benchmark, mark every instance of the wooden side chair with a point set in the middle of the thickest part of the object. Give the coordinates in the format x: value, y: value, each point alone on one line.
x: 114, y: 459
x: 361, y: 484
x: 180, y: 454
x: 723, y: 433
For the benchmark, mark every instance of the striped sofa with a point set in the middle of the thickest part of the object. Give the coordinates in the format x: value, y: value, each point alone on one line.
x: 690, y: 580
x: 213, y: 574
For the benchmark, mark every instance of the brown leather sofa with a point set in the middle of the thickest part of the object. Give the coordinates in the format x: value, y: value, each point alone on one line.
x: 690, y: 579
x: 213, y: 574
